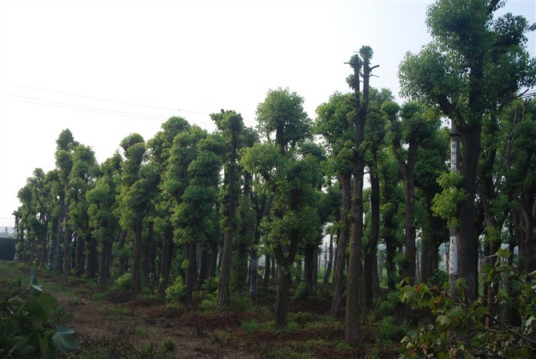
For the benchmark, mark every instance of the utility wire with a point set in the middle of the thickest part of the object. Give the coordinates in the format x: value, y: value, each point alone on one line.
x: 85, y: 108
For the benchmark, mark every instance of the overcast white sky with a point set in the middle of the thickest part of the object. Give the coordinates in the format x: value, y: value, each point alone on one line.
x: 107, y: 68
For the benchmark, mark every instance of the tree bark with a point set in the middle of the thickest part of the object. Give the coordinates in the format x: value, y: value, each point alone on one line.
x: 329, y: 266
x: 468, y: 240
x: 372, y: 283
x: 136, y: 255
x: 66, y: 242
x: 165, y: 261
x: 91, y: 257
x: 282, y: 297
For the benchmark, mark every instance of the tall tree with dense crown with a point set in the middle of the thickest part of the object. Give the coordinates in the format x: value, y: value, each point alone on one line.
x: 288, y: 181
x: 473, y: 63
x: 231, y: 124
x: 353, y: 306
x: 335, y: 125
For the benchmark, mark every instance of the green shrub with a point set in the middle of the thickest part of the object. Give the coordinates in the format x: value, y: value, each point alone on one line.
x: 459, y: 326
x: 124, y: 281
x: 301, y: 318
x: 389, y: 304
x: 240, y: 303
x: 26, y: 326
x: 302, y: 292
x: 209, y: 302
x: 439, y: 278
x: 388, y: 330
x: 251, y: 325
x: 177, y: 291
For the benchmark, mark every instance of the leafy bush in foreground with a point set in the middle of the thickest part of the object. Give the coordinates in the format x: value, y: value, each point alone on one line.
x: 461, y: 329
x: 26, y: 328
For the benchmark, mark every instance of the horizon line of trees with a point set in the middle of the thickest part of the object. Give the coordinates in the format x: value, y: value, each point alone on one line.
x: 189, y: 206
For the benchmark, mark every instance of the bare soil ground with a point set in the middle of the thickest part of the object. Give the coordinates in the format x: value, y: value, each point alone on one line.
x: 116, y: 324
x: 146, y: 324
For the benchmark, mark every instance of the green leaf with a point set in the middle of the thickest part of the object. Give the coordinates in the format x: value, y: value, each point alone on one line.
x: 63, y: 339
x: 443, y: 320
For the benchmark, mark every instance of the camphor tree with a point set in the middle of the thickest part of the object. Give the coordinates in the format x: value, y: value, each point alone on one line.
x: 474, y: 63
x: 160, y: 155
x: 103, y: 212
x: 353, y: 306
x: 335, y: 125
x: 410, y: 127
x: 231, y: 124
x: 138, y: 182
x: 287, y: 179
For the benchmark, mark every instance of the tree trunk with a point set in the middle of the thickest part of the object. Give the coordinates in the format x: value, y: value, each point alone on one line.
x: 309, y: 262
x: 224, y: 291
x: 123, y: 261
x: 329, y: 266
x: 91, y: 257
x: 372, y: 285
x: 165, y: 261
x: 190, y: 271
x: 58, y: 253
x: 253, y: 275
x: 105, y: 261
x: 66, y: 243
x: 468, y: 240
x: 342, y: 243
x: 241, y: 267
x: 136, y: 255
x: 282, y: 297
x: 267, y: 271
x: 527, y: 210
x: 79, y: 256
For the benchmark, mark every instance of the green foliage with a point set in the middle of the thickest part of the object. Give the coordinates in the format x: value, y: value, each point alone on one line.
x: 26, y: 323
x: 209, y: 301
x: 241, y: 303
x: 176, y: 292
x: 389, y: 330
x: 124, y: 281
x: 251, y: 325
x: 459, y: 326
x: 445, y: 203
x: 302, y: 292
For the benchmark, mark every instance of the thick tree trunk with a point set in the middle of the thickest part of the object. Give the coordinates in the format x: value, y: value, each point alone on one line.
x: 309, y: 262
x: 91, y: 257
x: 353, y: 305
x: 165, y: 261
x: 136, y: 255
x: 342, y: 243
x: 105, y: 261
x: 468, y: 243
x: 329, y: 266
x: 253, y: 275
x: 58, y: 250
x: 224, y: 291
x: 123, y: 261
x: 190, y: 271
x: 79, y: 256
x: 372, y: 283
x: 267, y: 272
x: 66, y: 243
x: 282, y: 297
x: 241, y: 267
x: 148, y: 255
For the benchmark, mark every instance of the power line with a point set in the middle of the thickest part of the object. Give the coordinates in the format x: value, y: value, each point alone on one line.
x: 86, y: 108
x: 90, y: 97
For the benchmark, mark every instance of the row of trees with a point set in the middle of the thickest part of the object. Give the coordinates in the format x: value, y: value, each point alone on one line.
x: 199, y: 205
